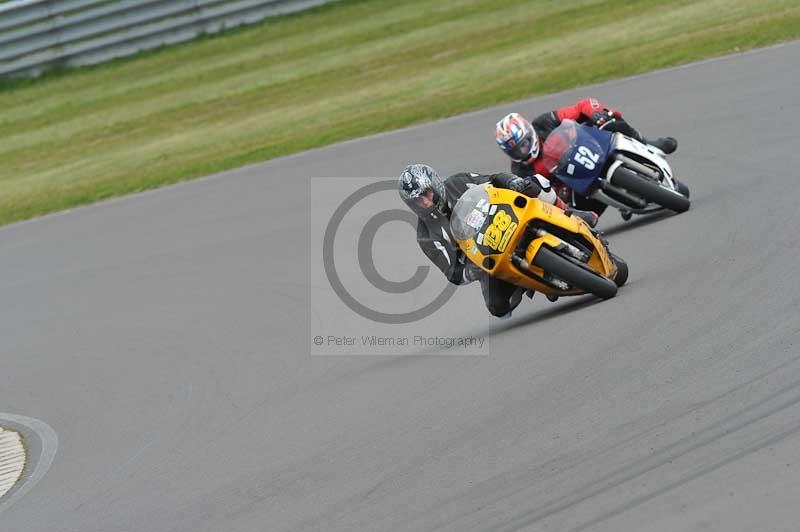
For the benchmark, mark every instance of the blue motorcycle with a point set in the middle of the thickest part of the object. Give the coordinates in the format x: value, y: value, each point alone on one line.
x: 613, y: 169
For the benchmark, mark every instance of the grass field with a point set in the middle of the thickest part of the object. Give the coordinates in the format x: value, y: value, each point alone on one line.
x: 348, y: 69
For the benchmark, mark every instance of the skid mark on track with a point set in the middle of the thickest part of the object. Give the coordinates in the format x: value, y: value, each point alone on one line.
x: 779, y: 401
x: 761, y: 444
x: 492, y: 493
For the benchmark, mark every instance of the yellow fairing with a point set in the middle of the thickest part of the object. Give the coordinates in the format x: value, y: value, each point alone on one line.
x: 505, y: 224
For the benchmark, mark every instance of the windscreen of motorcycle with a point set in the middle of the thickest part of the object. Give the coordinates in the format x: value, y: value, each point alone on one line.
x: 469, y: 213
x: 558, y: 147
x: 576, y: 155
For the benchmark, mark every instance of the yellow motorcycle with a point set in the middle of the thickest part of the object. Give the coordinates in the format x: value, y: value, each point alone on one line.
x: 532, y: 244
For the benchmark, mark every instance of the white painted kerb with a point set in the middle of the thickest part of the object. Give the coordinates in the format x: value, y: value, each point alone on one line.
x: 12, y: 459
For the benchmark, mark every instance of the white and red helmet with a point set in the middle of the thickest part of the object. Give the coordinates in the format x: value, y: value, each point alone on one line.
x: 517, y: 138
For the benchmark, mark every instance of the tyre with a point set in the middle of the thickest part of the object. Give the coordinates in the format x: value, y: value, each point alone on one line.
x: 574, y: 274
x: 622, y: 270
x: 681, y: 187
x: 649, y: 190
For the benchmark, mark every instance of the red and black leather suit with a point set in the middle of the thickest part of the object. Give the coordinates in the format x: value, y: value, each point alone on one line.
x: 587, y: 111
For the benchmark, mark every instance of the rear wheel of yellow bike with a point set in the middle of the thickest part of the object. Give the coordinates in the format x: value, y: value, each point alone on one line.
x: 576, y: 275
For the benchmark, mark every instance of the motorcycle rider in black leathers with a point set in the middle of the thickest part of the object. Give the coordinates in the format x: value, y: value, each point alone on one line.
x: 432, y: 200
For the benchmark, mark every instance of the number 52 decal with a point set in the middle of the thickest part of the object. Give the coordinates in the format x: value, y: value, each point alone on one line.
x: 586, y: 157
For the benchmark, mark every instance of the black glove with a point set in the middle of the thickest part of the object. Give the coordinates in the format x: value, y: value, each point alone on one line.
x: 520, y: 184
x: 601, y: 117
x: 523, y: 185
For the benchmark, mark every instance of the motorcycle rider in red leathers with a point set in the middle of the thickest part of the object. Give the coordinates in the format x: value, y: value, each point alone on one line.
x: 522, y: 141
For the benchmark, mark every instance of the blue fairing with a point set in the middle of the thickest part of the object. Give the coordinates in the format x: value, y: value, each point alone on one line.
x: 583, y: 163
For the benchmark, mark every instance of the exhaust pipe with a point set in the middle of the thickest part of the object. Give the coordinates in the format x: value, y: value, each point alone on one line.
x: 623, y: 195
x: 639, y: 167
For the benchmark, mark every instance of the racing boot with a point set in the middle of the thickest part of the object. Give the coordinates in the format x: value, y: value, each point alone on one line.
x: 591, y: 218
x: 587, y: 216
x: 665, y: 144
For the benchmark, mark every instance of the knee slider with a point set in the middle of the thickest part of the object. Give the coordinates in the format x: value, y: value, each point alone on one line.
x: 499, y: 310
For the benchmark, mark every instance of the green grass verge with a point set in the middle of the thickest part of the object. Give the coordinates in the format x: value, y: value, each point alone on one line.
x: 348, y: 69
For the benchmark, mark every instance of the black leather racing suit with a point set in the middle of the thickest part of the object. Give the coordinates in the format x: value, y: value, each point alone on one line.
x: 437, y: 242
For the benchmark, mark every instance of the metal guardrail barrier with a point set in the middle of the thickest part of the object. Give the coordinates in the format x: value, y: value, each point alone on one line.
x: 40, y: 34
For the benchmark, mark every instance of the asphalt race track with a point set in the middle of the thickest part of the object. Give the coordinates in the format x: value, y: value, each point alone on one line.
x: 165, y: 339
